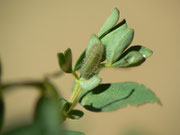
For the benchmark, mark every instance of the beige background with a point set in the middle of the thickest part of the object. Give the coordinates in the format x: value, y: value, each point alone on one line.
x: 33, y: 32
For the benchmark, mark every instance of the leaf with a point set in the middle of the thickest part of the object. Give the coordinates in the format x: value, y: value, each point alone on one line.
x: 131, y: 59
x: 74, y: 83
x: 63, y: 105
x: 25, y: 130
x: 109, y: 97
x: 65, y: 61
x: 110, y: 22
x: 75, y: 114
x: 115, y: 28
x: 134, y: 56
x: 73, y: 133
x: 80, y: 61
x: 50, y: 90
x: 116, y: 42
x: 47, y: 116
x: 63, y: 108
x: 62, y: 61
x: 47, y: 120
x: 146, y: 53
x: 120, y: 26
x: 68, y: 58
x: 91, y: 83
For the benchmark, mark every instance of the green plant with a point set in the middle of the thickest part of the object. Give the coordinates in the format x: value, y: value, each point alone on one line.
x: 108, y: 49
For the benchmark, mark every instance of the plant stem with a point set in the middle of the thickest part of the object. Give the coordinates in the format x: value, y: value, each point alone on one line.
x: 37, y: 84
x: 75, y: 75
x: 103, y: 65
x: 54, y: 74
x: 109, y: 65
x: 74, y: 97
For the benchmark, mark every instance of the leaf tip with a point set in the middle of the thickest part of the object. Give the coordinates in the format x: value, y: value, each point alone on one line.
x: 116, y: 10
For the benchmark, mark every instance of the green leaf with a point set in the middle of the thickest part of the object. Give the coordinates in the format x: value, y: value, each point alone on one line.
x: 145, y: 52
x: 119, y: 27
x: 50, y: 90
x: 108, y: 97
x: 47, y: 116
x: 116, y: 42
x: 65, y: 61
x: 91, y: 83
x: 68, y: 58
x: 134, y: 56
x: 131, y: 59
x: 110, y: 22
x: 25, y: 130
x: 63, y: 108
x: 80, y: 61
x: 75, y: 114
x: 73, y: 133
x: 63, y: 104
x: 115, y: 28
x: 62, y: 61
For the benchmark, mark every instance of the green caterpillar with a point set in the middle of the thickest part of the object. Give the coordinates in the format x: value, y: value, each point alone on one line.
x: 92, y: 60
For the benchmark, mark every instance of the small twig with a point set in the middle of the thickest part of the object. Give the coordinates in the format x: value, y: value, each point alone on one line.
x: 54, y: 74
x: 29, y: 83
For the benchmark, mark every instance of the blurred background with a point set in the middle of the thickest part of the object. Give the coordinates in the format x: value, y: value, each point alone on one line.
x: 33, y: 32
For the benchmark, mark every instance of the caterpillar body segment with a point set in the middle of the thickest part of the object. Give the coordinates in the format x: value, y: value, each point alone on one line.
x: 92, y: 60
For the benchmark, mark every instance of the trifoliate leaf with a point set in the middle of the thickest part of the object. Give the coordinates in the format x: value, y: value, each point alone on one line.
x: 108, y: 97
x: 65, y: 61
